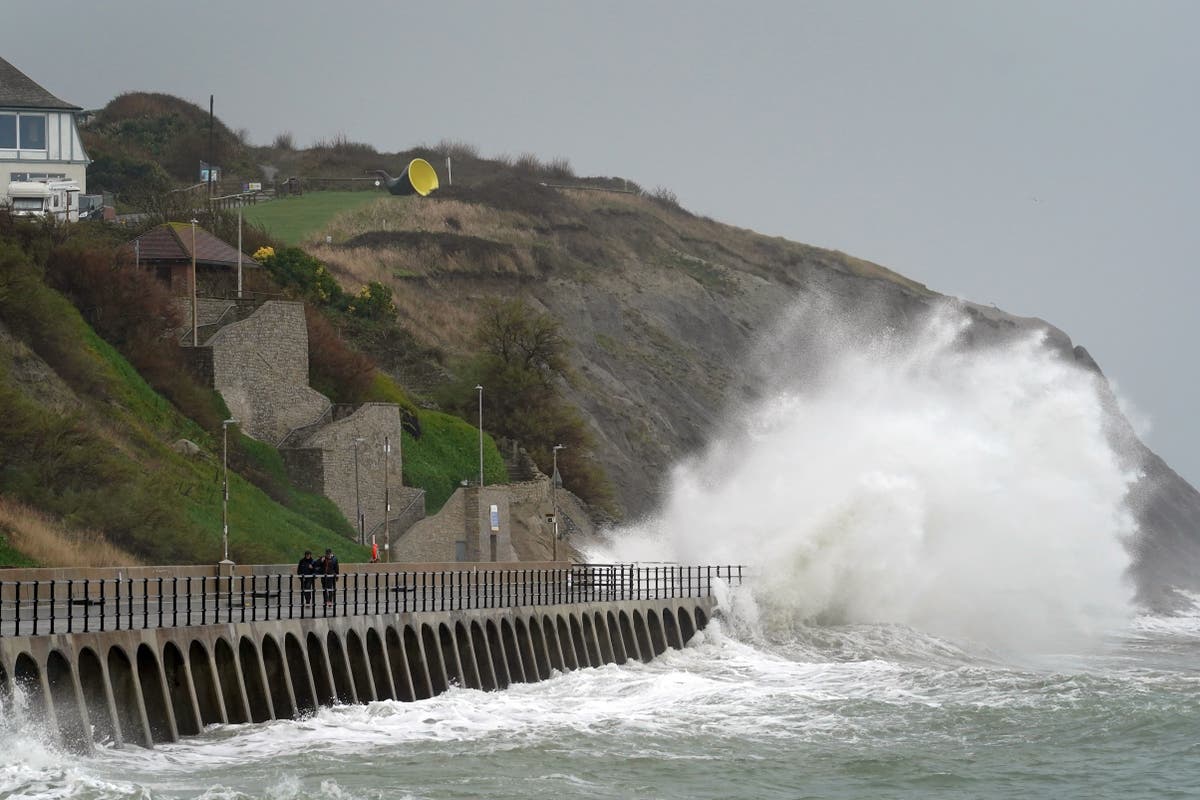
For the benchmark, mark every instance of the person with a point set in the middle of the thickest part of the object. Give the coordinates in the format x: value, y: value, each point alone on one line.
x: 329, y: 569
x: 374, y: 551
x: 306, y: 569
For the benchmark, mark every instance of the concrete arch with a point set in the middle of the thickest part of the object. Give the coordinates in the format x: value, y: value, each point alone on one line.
x: 232, y: 691
x: 339, y: 665
x: 483, y: 657
x: 581, y: 653
x: 275, y: 668
x: 687, y: 628
x: 640, y: 635
x: 127, y: 695
x: 253, y: 682
x: 322, y: 675
x: 360, y: 670
x: 466, y: 654
x: 671, y: 629
x: 422, y: 686
x: 591, y: 640
x: 204, y: 681
x: 380, y: 671
x: 154, y: 695
x: 97, y: 698
x: 616, y: 641
x: 657, y: 640
x: 512, y: 653
x: 72, y: 720
x: 553, y: 652
x: 399, y: 665
x: 5, y: 686
x: 602, y: 638
x: 180, y: 691
x: 566, y: 643
x: 701, y: 619
x: 525, y: 648
x: 496, y: 653
x: 433, y: 659
x: 449, y: 654
x: 28, y: 678
x: 541, y: 661
x: 300, y: 675
x: 628, y: 639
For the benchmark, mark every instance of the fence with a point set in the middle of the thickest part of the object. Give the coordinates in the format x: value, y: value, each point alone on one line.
x: 43, y: 607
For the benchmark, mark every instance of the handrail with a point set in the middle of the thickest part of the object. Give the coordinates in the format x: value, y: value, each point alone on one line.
x: 41, y: 608
x: 420, y: 493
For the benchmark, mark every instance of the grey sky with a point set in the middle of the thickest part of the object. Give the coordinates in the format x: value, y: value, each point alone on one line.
x: 1041, y: 156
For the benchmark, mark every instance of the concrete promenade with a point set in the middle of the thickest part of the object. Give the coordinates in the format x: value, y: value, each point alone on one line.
x: 152, y: 655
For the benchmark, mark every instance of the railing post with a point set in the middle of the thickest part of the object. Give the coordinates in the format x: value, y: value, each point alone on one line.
x: 103, y: 612
x: 229, y: 599
x: 160, y: 601
x: 52, y: 582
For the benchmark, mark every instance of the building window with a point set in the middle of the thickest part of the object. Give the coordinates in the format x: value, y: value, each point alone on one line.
x: 8, y: 131
x: 33, y: 131
x: 37, y: 176
x: 22, y: 131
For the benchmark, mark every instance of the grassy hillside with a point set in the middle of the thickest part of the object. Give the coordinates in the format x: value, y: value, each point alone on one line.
x: 291, y: 220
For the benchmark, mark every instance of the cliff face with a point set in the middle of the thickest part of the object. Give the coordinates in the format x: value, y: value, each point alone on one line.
x: 665, y: 313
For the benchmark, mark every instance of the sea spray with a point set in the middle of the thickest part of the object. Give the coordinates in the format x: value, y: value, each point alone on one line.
x: 906, y: 477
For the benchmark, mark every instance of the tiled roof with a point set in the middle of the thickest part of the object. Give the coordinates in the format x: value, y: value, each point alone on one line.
x: 172, y: 241
x: 18, y: 90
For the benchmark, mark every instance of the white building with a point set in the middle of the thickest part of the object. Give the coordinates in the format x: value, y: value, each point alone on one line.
x: 39, y: 140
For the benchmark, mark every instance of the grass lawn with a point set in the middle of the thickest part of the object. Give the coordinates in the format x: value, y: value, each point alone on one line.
x: 291, y: 219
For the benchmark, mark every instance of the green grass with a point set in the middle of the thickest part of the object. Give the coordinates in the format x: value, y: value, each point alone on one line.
x: 292, y: 219
x: 13, y: 558
x: 446, y: 454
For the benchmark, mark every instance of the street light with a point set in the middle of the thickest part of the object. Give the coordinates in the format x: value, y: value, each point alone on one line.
x: 555, y: 480
x: 195, y: 320
x: 357, y: 502
x: 387, y: 502
x: 225, y: 486
x: 479, y: 388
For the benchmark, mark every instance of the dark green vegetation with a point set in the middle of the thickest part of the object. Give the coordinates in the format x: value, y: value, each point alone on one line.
x: 91, y: 444
x: 95, y: 451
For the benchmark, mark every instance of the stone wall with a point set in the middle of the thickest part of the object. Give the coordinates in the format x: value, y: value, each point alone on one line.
x: 466, y: 518
x: 352, y: 474
x: 260, y: 367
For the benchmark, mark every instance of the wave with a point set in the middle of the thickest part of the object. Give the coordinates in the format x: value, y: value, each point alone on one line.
x: 905, y: 478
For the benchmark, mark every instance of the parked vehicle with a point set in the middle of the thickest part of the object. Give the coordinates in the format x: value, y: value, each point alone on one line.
x: 55, y: 199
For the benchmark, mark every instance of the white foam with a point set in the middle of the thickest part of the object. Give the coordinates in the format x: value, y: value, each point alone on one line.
x: 905, y: 479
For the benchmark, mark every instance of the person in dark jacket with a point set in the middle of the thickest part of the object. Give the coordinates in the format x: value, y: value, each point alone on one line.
x: 329, y: 568
x: 307, y: 569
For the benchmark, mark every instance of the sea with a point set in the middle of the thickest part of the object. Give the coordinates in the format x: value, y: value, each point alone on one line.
x: 940, y: 603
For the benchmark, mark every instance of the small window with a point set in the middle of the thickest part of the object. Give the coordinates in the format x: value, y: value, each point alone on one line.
x: 27, y: 204
x: 33, y: 132
x: 8, y: 131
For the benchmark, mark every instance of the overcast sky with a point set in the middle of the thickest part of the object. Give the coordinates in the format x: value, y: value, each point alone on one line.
x: 1041, y: 156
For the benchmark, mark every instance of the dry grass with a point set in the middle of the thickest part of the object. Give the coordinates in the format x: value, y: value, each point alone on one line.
x: 45, y: 540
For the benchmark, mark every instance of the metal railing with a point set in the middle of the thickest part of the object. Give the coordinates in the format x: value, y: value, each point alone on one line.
x: 37, y: 608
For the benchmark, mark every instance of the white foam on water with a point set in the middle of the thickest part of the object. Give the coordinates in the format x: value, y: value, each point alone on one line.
x: 906, y: 479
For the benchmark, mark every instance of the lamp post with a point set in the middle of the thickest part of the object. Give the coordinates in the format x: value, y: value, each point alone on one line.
x: 554, y: 481
x: 195, y: 320
x: 225, y: 486
x: 387, y: 502
x: 479, y: 388
x: 357, y: 502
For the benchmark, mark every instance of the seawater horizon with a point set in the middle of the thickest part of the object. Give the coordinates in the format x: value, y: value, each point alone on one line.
x: 940, y: 606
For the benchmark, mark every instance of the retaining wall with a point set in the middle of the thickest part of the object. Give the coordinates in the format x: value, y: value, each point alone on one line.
x: 154, y: 685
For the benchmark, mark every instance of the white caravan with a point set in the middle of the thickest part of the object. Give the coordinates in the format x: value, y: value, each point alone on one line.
x: 55, y: 199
